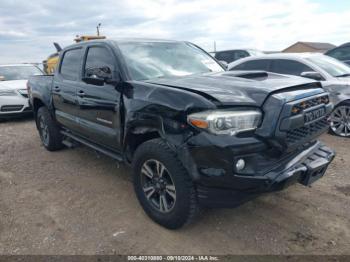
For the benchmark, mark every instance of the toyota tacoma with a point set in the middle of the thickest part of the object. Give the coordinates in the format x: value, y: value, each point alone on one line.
x: 194, y: 134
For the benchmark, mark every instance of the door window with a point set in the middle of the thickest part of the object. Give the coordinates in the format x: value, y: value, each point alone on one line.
x: 70, y: 66
x: 99, y: 61
x: 289, y: 67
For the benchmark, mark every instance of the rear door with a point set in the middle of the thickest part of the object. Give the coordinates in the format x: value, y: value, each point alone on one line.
x: 99, y: 106
x: 64, y: 88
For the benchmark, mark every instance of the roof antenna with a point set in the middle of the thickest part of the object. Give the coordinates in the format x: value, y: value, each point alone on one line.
x: 98, y: 29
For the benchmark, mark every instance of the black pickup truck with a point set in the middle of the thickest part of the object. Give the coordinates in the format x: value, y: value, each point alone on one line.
x: 194, y: 134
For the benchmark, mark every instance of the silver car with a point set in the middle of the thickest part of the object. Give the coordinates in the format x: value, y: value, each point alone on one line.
x: 13, y: 89
x: 333, y: 74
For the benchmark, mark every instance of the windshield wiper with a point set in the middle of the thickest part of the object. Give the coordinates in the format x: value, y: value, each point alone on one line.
x: 343, y: 75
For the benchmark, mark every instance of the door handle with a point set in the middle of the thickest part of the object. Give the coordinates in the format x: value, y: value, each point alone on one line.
x: 57, y: 89
x: 81, y: 93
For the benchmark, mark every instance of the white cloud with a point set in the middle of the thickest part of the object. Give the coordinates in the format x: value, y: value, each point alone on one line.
x: 267, y: 25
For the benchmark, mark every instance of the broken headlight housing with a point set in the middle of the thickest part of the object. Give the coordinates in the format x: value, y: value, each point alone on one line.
x: 227, y: 122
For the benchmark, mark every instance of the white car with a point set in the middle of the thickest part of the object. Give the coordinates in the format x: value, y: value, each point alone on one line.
x: 333, y: 74
x: 13, y: 89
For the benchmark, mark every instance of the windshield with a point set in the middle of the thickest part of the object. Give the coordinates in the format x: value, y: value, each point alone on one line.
x: 18, y: 72
x: 330, y: 65
x: 148, y: 60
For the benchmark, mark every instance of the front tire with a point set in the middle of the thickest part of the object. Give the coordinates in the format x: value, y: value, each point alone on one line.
x: 340, y: 120
x: 163, y: 186
x: 49, y: 131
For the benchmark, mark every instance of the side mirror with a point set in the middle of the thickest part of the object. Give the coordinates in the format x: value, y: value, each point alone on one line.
x: 312, y: 75
x: 94, y: 81
x: 103, y: 72
x: 99, y: 76
x: 223, y: 63
x: 2, y: 78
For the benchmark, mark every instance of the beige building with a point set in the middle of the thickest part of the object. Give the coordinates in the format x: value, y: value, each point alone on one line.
x: 314, y: 47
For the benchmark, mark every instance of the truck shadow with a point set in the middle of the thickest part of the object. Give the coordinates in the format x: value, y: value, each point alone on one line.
x: 17, y: 119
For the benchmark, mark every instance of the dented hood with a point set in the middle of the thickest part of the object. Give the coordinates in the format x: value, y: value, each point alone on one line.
x: 227, y: 88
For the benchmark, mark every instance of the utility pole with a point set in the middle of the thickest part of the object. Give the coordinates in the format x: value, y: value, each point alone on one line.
x: 214, y: 46
x: 98, y: 29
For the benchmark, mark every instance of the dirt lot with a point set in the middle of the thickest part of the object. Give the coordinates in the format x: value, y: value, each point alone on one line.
x: 74, y: 202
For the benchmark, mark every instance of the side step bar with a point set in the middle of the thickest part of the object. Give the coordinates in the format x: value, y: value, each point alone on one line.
x: 94, y: 146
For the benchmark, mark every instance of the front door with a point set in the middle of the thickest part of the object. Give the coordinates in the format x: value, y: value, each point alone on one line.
x: 99, y: 106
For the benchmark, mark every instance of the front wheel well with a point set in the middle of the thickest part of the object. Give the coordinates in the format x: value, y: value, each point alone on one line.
x: 134, y: 140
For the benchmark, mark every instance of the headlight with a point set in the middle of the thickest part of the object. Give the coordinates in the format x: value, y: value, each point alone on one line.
x: 23, y: 91
x: 226, y: 122
x: 4, y: 92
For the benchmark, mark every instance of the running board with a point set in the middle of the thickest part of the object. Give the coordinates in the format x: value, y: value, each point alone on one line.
x: 70, y: 143
x: 94, y: 146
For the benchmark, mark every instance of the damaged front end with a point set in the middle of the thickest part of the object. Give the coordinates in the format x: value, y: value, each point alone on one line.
x: 234, y: 151
x: 283, y: 150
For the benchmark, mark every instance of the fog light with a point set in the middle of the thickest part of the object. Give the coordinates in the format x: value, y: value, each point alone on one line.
x: 240, y: 165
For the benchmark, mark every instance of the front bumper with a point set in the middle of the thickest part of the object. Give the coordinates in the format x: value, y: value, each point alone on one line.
x: 305, y: 168
x: 14, y: 105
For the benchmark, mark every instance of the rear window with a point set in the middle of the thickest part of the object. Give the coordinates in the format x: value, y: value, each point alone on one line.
x: 230, y: 56
x: 71, y: 64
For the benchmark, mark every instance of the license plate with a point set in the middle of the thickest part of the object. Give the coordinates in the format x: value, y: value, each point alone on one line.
x: 313, y: 115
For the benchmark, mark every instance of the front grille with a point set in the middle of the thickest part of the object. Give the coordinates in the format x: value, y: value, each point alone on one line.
x: 27, y: 109
x: 299, y: 107
x: 11, y: 108
x: 307, y: 132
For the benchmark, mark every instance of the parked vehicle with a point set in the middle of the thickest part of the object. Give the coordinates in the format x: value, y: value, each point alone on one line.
x: 13, y: 89
x: 194, y: 134
x: 229, y: 56
x: 341, y: 53
x: 334, y: 76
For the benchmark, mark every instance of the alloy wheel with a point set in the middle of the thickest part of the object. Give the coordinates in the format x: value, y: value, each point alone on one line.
x: 340, y: 121
x: 158, y: 186
x: 44, y: 131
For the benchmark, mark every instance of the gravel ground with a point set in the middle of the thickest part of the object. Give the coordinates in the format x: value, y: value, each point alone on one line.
x: 76, y: 202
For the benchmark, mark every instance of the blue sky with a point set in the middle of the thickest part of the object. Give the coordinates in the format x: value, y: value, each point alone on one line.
x: 28, y: 28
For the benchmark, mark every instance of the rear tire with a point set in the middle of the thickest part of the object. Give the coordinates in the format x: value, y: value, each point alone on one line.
x: 49, y: 131
x: 163, y: 186
x: 340, y: 120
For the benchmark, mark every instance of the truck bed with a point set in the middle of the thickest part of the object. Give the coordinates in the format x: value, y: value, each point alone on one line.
x: 40, y: 86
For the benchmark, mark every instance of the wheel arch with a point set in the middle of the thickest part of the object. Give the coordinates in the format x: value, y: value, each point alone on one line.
x: 336, y: 124
x: 346, y: 101
x: 137, y: 136
x: 37, y: 103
